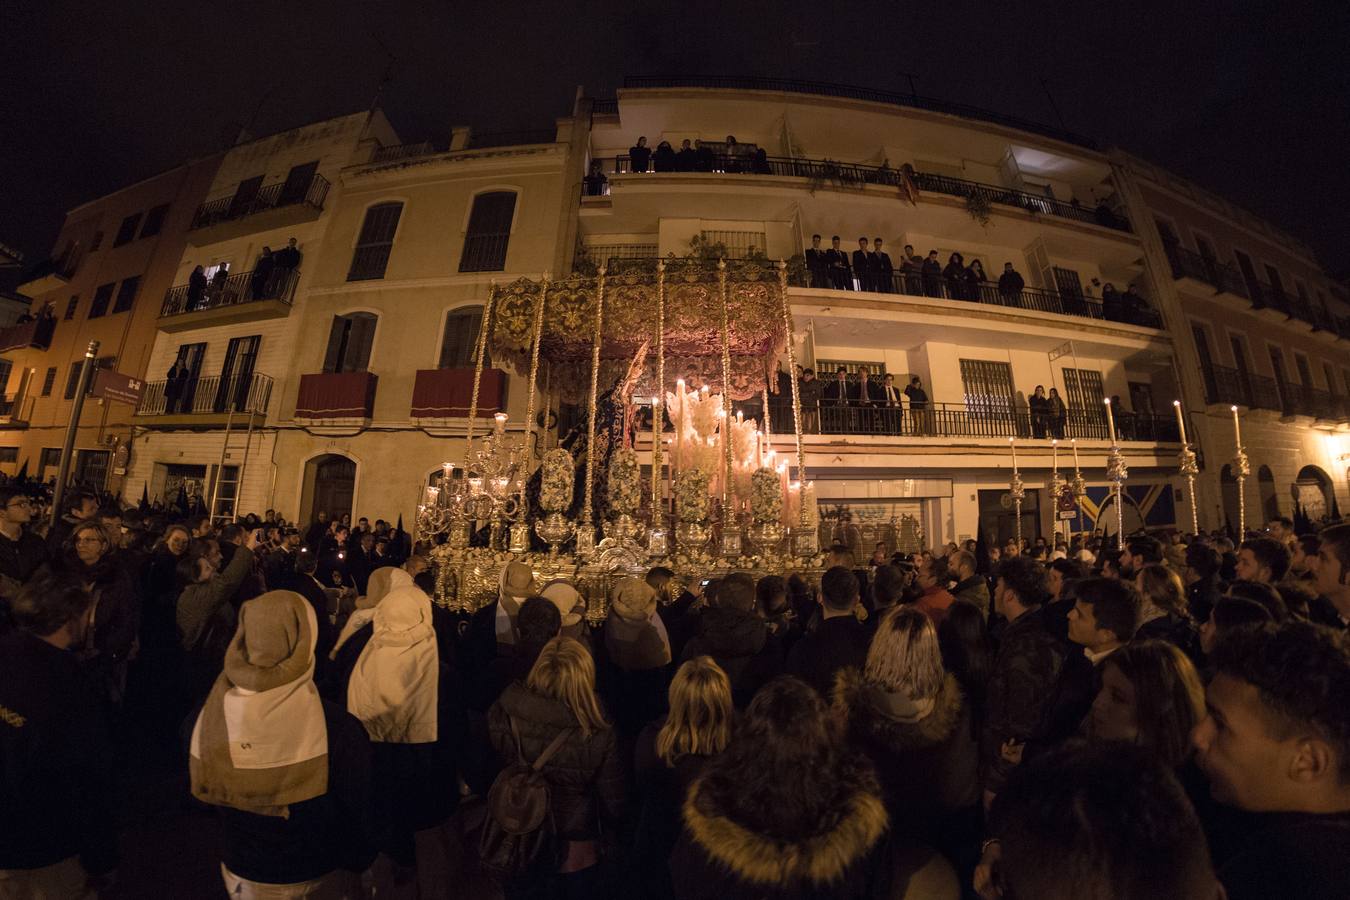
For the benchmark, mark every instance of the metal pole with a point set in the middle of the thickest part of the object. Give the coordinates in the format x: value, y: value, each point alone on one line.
x: 68, y: 448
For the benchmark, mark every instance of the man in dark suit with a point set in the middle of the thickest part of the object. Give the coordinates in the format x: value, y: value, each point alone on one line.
x: 841, y: 279
x: 863, y: 266
x: 911, y: 266
x: 932, y: 275
x: 838, y: 641
x: 882, y: 269
x: 836, y: 396
x: 817, y: 264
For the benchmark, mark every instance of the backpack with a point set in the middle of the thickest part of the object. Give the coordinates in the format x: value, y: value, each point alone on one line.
x: 518, y: 834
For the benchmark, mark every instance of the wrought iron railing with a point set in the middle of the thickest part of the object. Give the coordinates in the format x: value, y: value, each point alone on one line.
x: 274, y: 196
x: 851, y: 92
x: 235, y: 290
x: 36, y: 333
x: 1220, y: 276
x: 1224, y: 384
x: 858, y: 175
x: 211, y: 394
x: 826, y: 416
x: 395, y: 152
x: 605, y: 106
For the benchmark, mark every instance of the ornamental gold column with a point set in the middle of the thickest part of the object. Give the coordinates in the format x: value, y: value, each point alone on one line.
x: 520, y: 529
x: 586, y: 531
x: 805, y: 543
x: 731, y: 536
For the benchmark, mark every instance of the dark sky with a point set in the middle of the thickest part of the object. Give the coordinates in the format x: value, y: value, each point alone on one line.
x: 1252, y: 100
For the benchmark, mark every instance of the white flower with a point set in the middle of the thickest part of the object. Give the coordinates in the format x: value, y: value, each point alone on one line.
x: 766, y: 495
x: 625, y: 482
x: 555, y: 489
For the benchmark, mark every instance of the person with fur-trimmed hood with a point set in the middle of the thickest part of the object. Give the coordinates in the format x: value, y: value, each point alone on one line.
x: 914, y: 722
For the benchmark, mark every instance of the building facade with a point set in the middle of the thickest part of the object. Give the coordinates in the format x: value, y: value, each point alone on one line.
x: 112, y: 261
x: 1261, y: 328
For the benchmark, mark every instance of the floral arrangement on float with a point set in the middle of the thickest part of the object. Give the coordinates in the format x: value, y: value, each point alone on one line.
x: 625, y: 482
x: 766, y: 495
x: 555, y: 497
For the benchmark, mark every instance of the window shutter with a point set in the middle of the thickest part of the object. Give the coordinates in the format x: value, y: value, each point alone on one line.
x: 359, y: 342
x: 335, y: 335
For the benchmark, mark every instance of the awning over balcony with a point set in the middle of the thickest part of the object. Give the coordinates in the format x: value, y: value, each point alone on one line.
x: 336, y: 395
x: 447, y: 393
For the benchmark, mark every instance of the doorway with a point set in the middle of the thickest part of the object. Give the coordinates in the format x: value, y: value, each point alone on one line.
x: 330, y: 487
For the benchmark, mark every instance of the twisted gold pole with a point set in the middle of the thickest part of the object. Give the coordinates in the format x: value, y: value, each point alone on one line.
x: 658, y: 407
x: 534, y: 377
x: 478, y: 369
x: 586, y: 516
x: 726, y: 393
x: 796, y: 391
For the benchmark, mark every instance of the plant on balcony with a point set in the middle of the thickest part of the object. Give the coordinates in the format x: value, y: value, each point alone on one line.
x: 584, y: 264
x: 979, y: 208
x: 796, y: 270
x: 702, y: 248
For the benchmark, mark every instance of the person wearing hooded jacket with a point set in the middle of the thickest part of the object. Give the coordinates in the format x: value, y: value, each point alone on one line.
x: 734, y: 635
x: 410, y: 703
x: 492, y: 631
x: 289, y: 774
x: 357, y: 630
x: 634, y: 660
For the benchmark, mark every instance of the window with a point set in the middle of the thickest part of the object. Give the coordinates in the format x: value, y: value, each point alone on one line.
x: 988, y: 385
x: 1330, y: 374
x: 126, y: 294
x: 102, y: 296
x: 460, y: 339
x: 5, y: 368
x: 96, y: 242
x: 73, y: 379
x: 375, y: 241
x: 49, y: 381
x: 489, y: 232
x: 1167, y: 232
x: 154, y: 220
x: 71, y: 305
x: 9, y: 454
x: 739, y: 244
x: 91, y: 469
x: 296, y: 185
x: 1248, y: 274
x: 1084, y: 395
x: 49, y: 459
x: 349, y: 342
x: 126, y: 233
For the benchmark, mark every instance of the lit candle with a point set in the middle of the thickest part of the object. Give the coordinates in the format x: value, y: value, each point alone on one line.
x: 1054, y: 455
x: 1110, y: 421
x: 1012, y: 443
x: 1237, y: 428
x: 1074, y: 441
x: 446, y: 469
x: 1181, y: 420
x: 501, y: 422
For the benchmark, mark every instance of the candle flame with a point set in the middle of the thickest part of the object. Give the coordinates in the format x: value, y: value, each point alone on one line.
x: 1176, y: 402
x: 1233, y: 408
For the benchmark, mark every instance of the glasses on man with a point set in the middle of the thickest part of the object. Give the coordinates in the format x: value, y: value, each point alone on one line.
x: 19, y: 502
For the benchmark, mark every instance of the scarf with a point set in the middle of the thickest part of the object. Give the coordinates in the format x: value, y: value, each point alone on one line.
x: 382, y: 581
x: 260, y: 743
x: 393, y: 689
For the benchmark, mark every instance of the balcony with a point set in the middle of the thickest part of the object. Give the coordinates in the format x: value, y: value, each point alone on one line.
x: 448, y: 393
x: 275, y: 206
x: 48, y: 275
x: 1205, y: 272
x: 855, y: 176
x: 241, y: 298
x: 337, y: 397
x: 1227, y: 386
x: 961, y: 420
x: 36, y: 334
x: 204, y: 402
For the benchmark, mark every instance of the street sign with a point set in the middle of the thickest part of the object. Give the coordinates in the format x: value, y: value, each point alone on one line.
x: 115, y: 386
x: 1066, y: 505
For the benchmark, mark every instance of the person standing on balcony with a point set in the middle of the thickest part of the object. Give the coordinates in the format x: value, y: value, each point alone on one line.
x: 932, y: 275
x: 1113, y: 307
x: 663, y: 160
x: 954, y: 275
x: 735, y: 155
x: 1056, y: 413
x: 882, y: 270
x: 918, y: 403
x: 759, y: 163
x: 638, y: 155
x: 912, y: 268
x: 595, y: 181
x: 686, y: 160
x: 261, y: 280
x: 975, y: 279
x: 1010, y: 286
x: 1133, y: 307
x: 196, y: 289
x: 817, y: 264
x: 863, y: 266
x: 890, y: 398
x: 703, y: 157
x: 840, y: 277
x: 837, y: 394
x: 173, y: 385
x: 1040, y: 412
x: 288, y: 258
x: 217, y: 288
x: 809, y: 391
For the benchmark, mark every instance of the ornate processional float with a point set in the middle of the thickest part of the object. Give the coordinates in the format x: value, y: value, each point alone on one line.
x: 680, y: 339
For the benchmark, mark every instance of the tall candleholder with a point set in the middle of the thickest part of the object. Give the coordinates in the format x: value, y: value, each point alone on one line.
x: 1078, y: 484
x: 1018, y: 492
x: 1189, y: 467
x: 1056, y: 482
x: 1242, y: 468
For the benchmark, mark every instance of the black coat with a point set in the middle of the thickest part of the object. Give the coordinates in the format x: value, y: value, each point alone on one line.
x: 585, y: 776
x: 661, y: 789
x: 639, y: 157
x: 837, y: 643
x: 739, y: 643
x: 1286, y: 854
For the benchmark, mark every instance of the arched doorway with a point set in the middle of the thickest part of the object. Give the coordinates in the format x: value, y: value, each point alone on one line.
x: 330, y: 484
x: 1228, y: 489
x: 1270, y: 501
x: 1314, y: 492
x: 1132, y: 518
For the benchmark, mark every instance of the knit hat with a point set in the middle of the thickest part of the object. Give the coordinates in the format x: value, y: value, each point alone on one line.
x: 567, y: 598
x: 632, y: 599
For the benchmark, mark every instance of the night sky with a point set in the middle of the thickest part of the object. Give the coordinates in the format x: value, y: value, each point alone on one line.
x: 1251, y: 100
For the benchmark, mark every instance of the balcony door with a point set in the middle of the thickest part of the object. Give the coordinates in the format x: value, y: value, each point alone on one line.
x: 236, y: 375
x: 988, y: 387
x: 1070, y: 289
x: 296, y: 186
x: 1086, y: 396
x: 349, y: 342
x: 1206, y: 362
x: 1243, y: 368
x: 1305, y: 381
x: 1281, y: 380
x: 1249, y: 276
x: 190, y: 357
x: 244, y: 196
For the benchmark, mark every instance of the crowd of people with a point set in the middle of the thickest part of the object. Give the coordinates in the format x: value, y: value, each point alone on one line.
x: 1162, y: 718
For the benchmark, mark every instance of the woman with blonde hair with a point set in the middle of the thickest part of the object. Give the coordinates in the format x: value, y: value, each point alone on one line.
x: 583, y: 773
x: 911, y: 717
x: 669, y: 756
x: 1151, y: 696
x: 1164, y: 614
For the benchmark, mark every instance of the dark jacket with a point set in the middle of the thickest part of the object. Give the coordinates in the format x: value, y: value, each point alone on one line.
x: 1010, y: 283
x: 1201, y: 597
x: 661, y: 789
x: 639, y: 157
x: 836, y: 643
x: 585, y: 776
x: 204, y: 615
x: 1021, y: 688
x: 738, y: 642
x: 840, y: 855
x: 975, y: 591
x: 55, y: 761
x: 1288, y: 855
x: 18, y: 561
x: 333, y: 831
x: 117, y: 616
x: 317, y: 597
x: 928, y: 768
x: 1180, y: 633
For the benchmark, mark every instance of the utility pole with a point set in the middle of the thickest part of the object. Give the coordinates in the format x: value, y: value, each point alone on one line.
x: 68, y: 448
